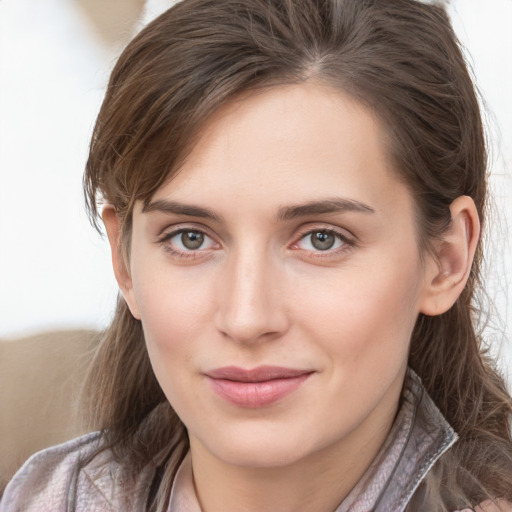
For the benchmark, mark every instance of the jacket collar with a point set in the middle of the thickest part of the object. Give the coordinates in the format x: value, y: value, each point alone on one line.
x: 419, y: 437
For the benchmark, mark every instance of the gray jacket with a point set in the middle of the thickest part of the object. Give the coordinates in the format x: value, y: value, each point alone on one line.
x: 57, y: 480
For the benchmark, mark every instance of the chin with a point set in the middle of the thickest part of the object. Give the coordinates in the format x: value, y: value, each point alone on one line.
x: 261, y: 449
x: 263, y: 458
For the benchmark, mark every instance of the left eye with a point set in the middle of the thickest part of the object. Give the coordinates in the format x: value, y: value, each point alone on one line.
x: 189, y: 240
x: 321, y: 240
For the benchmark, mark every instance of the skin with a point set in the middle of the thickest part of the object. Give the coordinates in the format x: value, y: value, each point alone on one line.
x: 258, y: 292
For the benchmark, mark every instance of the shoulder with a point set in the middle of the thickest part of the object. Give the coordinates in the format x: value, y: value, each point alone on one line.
x: 80, y: 475
x: 46, y: 478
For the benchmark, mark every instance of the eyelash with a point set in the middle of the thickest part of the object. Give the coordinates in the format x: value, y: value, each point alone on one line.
x: 347, y: 243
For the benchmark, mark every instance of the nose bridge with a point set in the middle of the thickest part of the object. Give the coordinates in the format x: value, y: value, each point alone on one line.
x: 251, y: 306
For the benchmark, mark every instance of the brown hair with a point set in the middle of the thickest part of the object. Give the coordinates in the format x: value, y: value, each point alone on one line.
x: 398, y: 57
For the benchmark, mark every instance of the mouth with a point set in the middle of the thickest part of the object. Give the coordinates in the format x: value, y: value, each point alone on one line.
x: 258, y: 387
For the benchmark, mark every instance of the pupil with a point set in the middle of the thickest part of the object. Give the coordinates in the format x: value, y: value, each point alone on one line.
x: 192, y: 239
x: 322, y: 240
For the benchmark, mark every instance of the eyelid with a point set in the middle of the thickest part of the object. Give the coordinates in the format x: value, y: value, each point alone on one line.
x: 173, y: 229
x: 184, y: 226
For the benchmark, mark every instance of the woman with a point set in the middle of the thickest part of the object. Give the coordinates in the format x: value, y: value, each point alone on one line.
x: 294, y: 193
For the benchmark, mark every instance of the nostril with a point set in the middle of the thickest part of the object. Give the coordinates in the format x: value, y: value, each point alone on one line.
x: 252, y: 325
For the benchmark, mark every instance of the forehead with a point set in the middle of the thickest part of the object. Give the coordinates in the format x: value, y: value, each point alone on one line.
x: 288, y: 143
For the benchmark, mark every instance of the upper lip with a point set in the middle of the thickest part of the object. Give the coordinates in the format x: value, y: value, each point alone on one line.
x: 259, y: 374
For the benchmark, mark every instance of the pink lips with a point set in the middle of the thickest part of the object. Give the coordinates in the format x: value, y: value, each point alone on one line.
x: 258, y: 387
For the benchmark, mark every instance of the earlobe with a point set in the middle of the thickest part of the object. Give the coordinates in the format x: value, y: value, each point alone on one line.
x: 448, y: 270
x: 121, y: 271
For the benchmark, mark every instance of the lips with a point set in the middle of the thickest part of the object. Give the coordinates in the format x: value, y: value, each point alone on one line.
x: 258, y: 387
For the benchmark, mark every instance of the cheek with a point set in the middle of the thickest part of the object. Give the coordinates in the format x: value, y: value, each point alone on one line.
x: 173, y: 314
x: 173, y: 306
x: 364, y: 313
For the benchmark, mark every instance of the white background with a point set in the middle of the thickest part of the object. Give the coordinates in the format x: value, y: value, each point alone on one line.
x: 54, y: 64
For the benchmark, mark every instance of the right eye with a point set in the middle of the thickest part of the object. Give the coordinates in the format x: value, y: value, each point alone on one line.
x: 186, y: 242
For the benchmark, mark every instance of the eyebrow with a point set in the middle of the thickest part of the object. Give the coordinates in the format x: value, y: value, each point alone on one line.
x: 173, y: 207
x: 334, y: 205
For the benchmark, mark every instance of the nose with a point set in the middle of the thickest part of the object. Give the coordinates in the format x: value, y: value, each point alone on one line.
x: 251, y: 301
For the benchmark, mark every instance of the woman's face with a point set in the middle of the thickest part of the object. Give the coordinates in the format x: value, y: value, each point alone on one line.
x: 278, y: 280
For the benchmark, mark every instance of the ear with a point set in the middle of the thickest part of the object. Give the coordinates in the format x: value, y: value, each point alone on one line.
x: 448, y: 270
x: 121, y: 270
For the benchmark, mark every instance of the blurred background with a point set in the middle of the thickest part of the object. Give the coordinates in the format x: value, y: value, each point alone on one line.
x: 55, y: 58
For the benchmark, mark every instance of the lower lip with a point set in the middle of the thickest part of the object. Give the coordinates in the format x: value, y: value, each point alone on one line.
x: 256, y: 394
